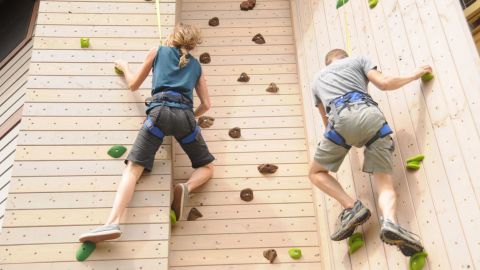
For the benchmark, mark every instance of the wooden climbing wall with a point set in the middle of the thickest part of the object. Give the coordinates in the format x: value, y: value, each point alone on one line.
x: 232, y: 234
x: 440, y: 202
x: 76, y: 107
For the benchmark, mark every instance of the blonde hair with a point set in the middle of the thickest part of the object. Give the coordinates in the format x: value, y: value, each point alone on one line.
x: 185, y: 37
x: 335, y: 54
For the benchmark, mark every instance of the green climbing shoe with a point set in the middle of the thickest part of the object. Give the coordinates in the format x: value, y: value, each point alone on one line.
x: 295, y: 253
x: 416, y: 158
x: 118, y: 71
x: 340, y: 3
x: 84, y: 42
x: 372, y: 3
x: 355, y: 242
x: 173, y: 217
x: 417, y: 261
x: 116, y: 151
x: 84, y: 251
x: 427, y: 77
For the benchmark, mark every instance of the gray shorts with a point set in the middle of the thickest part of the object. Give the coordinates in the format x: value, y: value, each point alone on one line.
x: 357, y: 126
x: 171, y: 121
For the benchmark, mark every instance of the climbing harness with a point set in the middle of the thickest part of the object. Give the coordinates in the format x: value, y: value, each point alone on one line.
x: 346, y: 101
x: 150, y: 125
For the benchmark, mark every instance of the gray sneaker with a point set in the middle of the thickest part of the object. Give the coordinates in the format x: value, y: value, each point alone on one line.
x: 180, y: 197
x: 350, y: 218
x: 392, y: 234
x: 102, y: 233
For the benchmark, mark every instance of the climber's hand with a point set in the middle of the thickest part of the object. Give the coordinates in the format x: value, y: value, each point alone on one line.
x: 420, y: 71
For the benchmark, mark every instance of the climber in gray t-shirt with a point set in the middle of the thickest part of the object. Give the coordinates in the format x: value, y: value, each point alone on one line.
x: 352, y: 118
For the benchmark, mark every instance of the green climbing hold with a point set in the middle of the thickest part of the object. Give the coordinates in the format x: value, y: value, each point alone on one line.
x: 173, y: 217
x: 84, y: 251
x: 118, y: 71
x: 414, y: 165
x: 355, y: 242
x: 416, y: 158
x: 340, y: 3
x: 295, y: 253
x: 427, y: 77
x: 84, y: 42
x: 417, y: 261
x: 116, y: 151
x: 372, y: 3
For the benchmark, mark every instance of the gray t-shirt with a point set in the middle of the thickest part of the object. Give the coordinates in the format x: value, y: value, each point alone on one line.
x: 341, y: 77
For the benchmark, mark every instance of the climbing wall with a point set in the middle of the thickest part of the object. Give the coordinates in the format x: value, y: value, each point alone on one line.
x: 440, y: 202
x: 232, y: 234
x: 76, y: 107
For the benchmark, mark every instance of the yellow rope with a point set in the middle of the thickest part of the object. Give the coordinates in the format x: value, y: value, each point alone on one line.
x: 159, y: 22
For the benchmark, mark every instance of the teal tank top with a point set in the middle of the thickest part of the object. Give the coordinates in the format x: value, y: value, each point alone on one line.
x: 168, y: 76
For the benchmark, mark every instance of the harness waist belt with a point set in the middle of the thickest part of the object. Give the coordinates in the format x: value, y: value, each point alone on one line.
x: 150, y: 125
x: 169, y: 96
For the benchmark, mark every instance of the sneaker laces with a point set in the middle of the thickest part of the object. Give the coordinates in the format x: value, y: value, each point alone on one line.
x: 411, y: 234
x: 344, y: 213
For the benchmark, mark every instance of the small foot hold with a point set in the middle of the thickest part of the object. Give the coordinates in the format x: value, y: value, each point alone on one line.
x: 85, y: 250
x: 372, y: 3
x: 118, y: 71
x: 427, y: 77
x: 259, y: 39
x: 267, y: 168
x: 116, y: 151
x: 248, y: 5
x: 84, y: 42
x: 270, y: 254
x: 173, y: 217
x: 194, y: 214
x: 205, y: 121
x: 355, y: 242
x: 235, y: 133
x: 246, y: 194
x: 413, y: 163
x: 272, y: 88
x: 243, y: 77
x: 417, y: 261
x: 214, y: 21
x: 205, y: 58
x: 295, y: 253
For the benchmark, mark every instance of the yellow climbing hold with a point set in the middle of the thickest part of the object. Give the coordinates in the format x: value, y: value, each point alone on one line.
x: 427, y: 77
x: 372, y: 3
x: 417, y: 261
x: 84, y: 42
x: 355, y: 242
x: 118, y: 71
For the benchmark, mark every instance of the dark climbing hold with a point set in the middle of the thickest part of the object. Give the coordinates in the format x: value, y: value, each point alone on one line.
x: 355, y: 242
x: 243, y: 77
x: 118, y: 71
x: 295, y: 253
x: 267, y: 168
x: 235, y: 133
x: 248, y: 5
x: 246, y: 194
x: 417, y: 261
x: 194, y: 214
x: 116, y: 151
x: 214, y: 21
x: 259, y: 39
x: 427, y: 77
x: 205, y: 58
x: 84, y: 42
x: 173, y: 217
x: 272, y: 88
x: 85, y: 250
x: 205, y: 121
x: 270, y: 254
x: 372, y: 3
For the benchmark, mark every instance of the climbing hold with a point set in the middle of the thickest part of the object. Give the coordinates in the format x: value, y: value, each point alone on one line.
x: 413, y: 163
x: 372, y: 3
x: 267, y: 168
x: 194, y: 214
x: 270, y: 254
x: 248, y: 5
x: 416, y: 158
x: 259, y: 39
x: 340, y: 3
x: 118, y: 71
x: 295, y: 253
x: 243, y: 77
x: 427, y: 77
x: 272, y: 88
x: 235, y: 133
x: 173, y: 217
x: 417, y: 261
x: 355, y: 241
x: 246, y: 194
x: 205, y: 58
x: 84, y: 42
x: 205, y: 121
x: 116, y: 151
x: 84, y: 251
x: 214, y: 21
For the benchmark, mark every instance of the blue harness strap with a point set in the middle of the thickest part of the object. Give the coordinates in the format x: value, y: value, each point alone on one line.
x: 152, y: 128
x: 335, y: 137
x: 382, y: 132
x: 190, y: 137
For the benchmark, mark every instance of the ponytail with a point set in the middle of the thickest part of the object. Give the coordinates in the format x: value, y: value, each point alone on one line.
x: 183, y: 58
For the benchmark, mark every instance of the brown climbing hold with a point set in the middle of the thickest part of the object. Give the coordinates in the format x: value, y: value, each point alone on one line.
x: 243, y: 77
x: 194, y: 214
x: 205, y: 121
x: 205, y: 58
x: 247, y: 5
x: 214, y: 21
x: 270, y: 254
x: 272, y: 88
x: 259, y: 39
x: 235, y: 133
x: 267, y: 168
x: 246, y: 194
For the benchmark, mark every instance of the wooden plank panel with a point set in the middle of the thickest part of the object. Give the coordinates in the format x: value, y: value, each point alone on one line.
x: 281, y: 266
x: 237, y: 14
x: 229, y: 158
x: 99, y: 7
x: 223, y: 6
x: 238, y: 23
x: 253, y: 146
x: 112, y: 19
x: 100, y: 31
x: 123, y: 264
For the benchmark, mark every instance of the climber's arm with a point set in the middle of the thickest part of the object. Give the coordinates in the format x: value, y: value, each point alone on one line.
x: 323, y: 113
x: 135, y: 80
x: 202, y: 93
x: 386, y: 83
